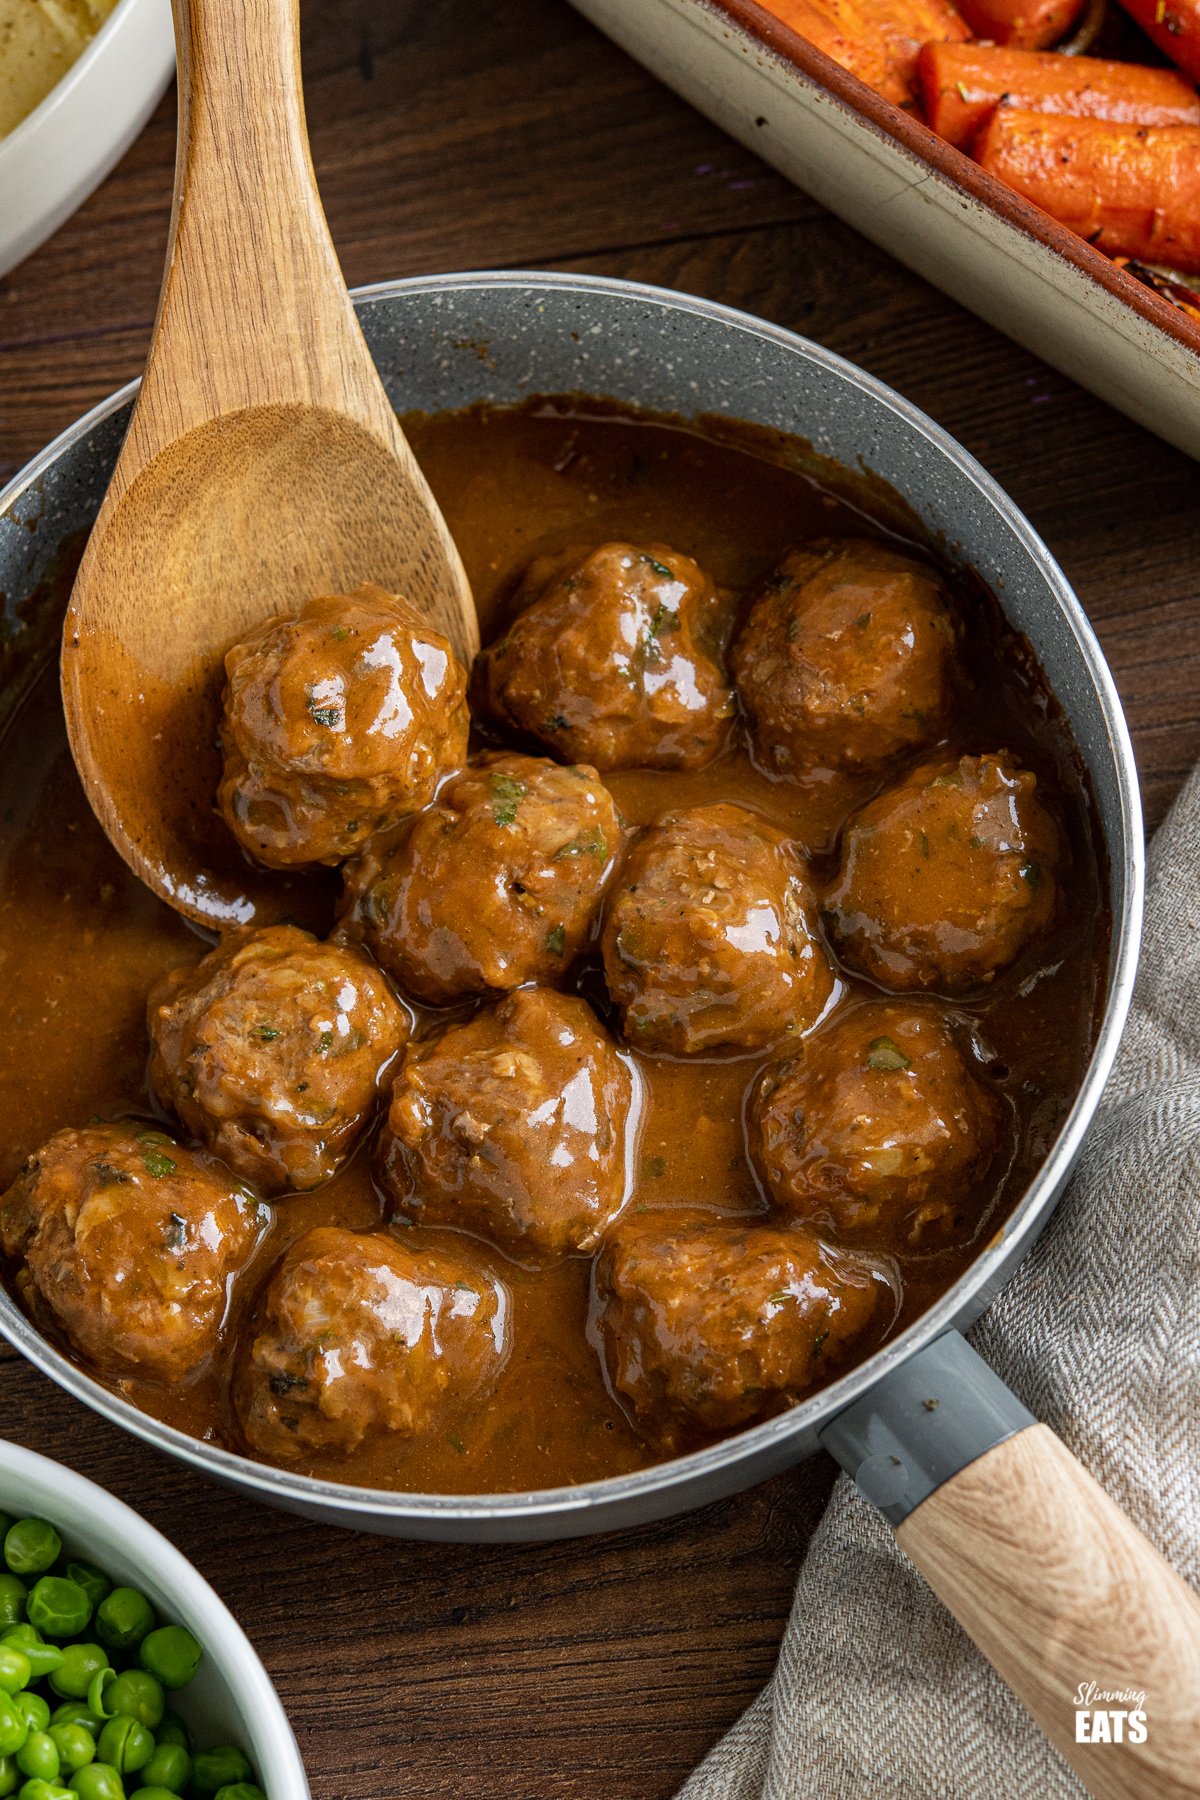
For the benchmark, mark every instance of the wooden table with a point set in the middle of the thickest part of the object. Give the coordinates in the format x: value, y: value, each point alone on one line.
x: 448, y: 135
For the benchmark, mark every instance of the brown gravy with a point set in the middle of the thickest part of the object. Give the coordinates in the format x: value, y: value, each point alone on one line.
x: 81, y: 941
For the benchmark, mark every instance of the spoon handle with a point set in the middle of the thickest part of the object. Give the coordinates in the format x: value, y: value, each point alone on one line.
x: 253, y: 309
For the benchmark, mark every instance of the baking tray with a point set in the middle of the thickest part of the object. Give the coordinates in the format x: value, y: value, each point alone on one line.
x: 926, y: 203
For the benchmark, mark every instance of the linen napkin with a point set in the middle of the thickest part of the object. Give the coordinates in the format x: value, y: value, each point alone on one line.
x: 878, y: 1691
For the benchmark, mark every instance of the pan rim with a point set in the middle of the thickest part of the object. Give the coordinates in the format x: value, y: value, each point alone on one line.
x: 654, y: 1486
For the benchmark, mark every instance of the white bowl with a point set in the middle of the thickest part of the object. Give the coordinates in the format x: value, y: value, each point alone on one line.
x: 231, y: 1700
x: 54, y: 158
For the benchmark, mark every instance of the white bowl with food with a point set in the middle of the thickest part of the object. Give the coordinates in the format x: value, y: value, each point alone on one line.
x: 78, y: 82
x: 230, y: 1700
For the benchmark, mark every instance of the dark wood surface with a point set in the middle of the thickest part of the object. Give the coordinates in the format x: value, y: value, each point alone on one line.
x: 449, y: 135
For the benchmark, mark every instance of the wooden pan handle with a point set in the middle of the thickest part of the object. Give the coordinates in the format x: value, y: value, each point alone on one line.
x: 1069, y: 1602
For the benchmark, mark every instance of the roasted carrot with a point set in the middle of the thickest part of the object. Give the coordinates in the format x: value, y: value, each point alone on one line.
x: 1026, y: 24
x: 1181, y: 296
x: 962, y: 84
x: 877, y: 40
x: 1133, y: 190
x: 1174, y: 25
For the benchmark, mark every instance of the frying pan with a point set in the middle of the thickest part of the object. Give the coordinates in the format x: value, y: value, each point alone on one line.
x: 985, y: 1500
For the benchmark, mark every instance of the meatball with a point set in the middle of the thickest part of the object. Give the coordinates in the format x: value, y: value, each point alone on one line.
x: 878, y: 1125
x: 708, y: 938
x: 846, y: 659
x: 273, y: 1050
x: 514, y: 1125
x: 497, y: 884
x: 358, y: 1334
x: 129, y: 1244
x: 337, y: 723
x: 946, y: 876
x: 708, y: 1327
x: 615, y: 660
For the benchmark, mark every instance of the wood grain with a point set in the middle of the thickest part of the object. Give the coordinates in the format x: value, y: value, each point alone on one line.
x: 1062, y: 1592
x: 1115, y: 505
x: 601, y: 1668
x: 449, y: 135
x: 263, y: 460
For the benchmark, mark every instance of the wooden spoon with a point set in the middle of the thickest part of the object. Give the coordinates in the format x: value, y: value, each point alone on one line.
x: 263, y: 465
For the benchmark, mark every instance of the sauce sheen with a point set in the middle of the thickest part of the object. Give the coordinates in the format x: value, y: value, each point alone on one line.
x: 81, y: 942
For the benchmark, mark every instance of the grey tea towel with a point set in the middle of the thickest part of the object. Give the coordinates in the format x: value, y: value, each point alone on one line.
x: 878, y: 1692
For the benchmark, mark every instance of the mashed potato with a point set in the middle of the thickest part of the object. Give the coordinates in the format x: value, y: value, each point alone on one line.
x: 39, y: 41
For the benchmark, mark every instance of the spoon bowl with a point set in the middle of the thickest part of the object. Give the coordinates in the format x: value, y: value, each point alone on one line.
x: 263, y: 465
x: 677, y: 356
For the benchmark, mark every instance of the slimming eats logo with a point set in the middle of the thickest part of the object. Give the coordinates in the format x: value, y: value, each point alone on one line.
x: 1109, y: 1715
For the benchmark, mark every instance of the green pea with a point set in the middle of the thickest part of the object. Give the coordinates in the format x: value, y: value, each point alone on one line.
x: 93, y: 1581
x: 41, y: 1657
x: 38, y: 1757
x: 96, y: 1701
x: 125, y: 1744
x: 15, y: 1672
x: 170, y: 1767
x: 76, y: 1746
x: 75, y: 1712
x: 240, y: 1790
x: 12, y: 1599
x: 124, y: 1618
x: 222, y: 1766
x: 172, y: 1730
x: 33, y: 1710
x: 74, y: 1674
x: 38, y: 1789
x: 156, y: 1793
x: 10, y: 1776
x: 97, y: 1782
x: 13, y: 1727
x: 171, y: 1654
x: 137, y: 1695
x: 31, y: 1546
x: 58, y: 1607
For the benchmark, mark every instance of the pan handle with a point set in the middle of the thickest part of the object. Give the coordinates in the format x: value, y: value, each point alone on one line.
x: 1061, y: 1592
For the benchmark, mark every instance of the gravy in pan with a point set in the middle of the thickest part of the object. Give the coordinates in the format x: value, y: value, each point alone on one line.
x: 81, y: 942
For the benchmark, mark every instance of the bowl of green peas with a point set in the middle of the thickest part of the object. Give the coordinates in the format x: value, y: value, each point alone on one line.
x: 122, y: 1675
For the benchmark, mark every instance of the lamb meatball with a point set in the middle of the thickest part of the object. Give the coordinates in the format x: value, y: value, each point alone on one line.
x: 359, y: 1334
x: 273, y: 1049
x: 337, y: 723
x: 615, y: 660
x: 846, y: 659
x: 708, y: 937
x: 709, y: 1327
x: 129, y: 1244
x: 514, y: 1125
x: 497, y: 884
x: 878, y: 1124
x: 945, y: 877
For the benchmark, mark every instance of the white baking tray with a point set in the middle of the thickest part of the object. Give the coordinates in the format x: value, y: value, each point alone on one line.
x: 891, y: 178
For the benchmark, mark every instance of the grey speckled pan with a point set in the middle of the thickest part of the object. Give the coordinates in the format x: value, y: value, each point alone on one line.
x: 446, y: 342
